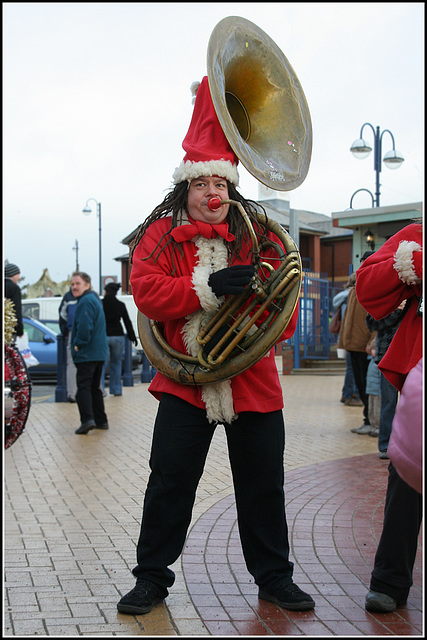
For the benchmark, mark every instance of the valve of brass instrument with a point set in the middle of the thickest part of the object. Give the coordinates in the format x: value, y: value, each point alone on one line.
x: 256, y: 284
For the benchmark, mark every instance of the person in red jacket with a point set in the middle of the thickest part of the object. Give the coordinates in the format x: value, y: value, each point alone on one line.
x: 186, y: 258
x: 391, y: 275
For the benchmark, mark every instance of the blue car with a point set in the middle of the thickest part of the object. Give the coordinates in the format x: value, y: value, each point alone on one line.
x: 44, y: 346
x: 42, y: 340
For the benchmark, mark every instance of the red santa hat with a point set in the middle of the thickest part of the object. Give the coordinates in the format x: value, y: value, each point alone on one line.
x: 208, y: 152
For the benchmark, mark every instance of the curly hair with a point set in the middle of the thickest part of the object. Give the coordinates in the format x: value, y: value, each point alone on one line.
x: 176, y: 202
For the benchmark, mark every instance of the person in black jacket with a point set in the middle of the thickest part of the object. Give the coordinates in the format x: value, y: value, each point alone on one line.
x: 12, y: 292
x: 385, y: 328
x: 115, y: 311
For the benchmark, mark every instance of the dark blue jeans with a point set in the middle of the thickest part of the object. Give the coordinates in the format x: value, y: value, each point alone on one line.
x: 349, y: 388
x: 397, y: 548
x: 360, y: 363
x: 116, y: 348
x: 181, y: 440
x: 389, y: 395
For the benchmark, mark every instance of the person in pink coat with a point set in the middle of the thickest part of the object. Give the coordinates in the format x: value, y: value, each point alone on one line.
x: 391, y: 275
x: 186, y: 258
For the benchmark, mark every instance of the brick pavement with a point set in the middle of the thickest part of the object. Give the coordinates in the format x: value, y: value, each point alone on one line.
x: 73, y: 508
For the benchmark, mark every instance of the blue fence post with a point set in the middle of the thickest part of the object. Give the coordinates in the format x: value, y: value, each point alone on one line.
x: 61, y: 392
x: 148, y: 372
x: 127, y: 374
x: 297, y: 335
x: 145, y: 373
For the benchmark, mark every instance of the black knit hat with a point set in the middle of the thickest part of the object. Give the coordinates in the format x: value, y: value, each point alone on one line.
x: 11, y: 270
x: 112, y: 287
x: 366, y: 255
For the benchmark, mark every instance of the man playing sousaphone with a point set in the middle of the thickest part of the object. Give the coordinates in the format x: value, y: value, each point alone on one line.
x: 187, y: 258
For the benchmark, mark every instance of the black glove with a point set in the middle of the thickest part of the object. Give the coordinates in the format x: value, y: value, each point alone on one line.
x: 135, y: 342
x: 231, y: 280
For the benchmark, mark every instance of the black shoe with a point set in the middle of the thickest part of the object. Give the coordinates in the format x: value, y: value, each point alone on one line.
x: 289, y: 596
x: 142, y: 598
x: 85, y: 427
x: 102, y: 426
x: 381, y: 602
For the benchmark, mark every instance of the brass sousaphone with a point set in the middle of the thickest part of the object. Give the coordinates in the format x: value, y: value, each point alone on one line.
x: 264, y: 115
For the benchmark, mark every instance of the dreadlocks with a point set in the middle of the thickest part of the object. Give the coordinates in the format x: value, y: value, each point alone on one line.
x: 176, y: 202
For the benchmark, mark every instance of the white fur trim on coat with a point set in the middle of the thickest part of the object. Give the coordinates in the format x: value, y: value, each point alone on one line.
x: 191, y: 170
x: 212, y: 256
x: 403, y: 262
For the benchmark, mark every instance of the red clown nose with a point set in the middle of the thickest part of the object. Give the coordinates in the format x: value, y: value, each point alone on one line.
x: 214, y: 203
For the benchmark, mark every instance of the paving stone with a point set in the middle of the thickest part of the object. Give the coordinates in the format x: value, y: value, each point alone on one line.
x: 72, y: 516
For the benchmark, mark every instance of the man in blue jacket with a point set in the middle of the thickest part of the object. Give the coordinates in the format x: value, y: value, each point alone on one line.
x: 90, y: 350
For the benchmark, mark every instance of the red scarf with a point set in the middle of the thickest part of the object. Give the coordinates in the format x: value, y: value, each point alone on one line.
x: 197, y: 227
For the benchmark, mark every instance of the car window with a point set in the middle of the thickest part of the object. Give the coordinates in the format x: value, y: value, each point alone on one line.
x: 52, y: 324
x: 34, y: 333
x: 31, y: 309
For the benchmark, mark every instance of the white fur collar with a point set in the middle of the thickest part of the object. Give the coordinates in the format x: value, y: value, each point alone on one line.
x: 212, y: 256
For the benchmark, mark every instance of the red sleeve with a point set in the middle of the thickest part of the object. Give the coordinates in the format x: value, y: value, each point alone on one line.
x: 391, y: 274
x: 159, y: 295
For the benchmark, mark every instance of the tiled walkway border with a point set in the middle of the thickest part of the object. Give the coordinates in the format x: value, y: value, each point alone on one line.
x: 336, y: 515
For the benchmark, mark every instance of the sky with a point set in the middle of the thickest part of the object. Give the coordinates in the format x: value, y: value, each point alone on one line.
x: 97, y: 102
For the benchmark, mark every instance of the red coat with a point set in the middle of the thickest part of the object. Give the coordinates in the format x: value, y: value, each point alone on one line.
x: 175, y: 300
x: 390, y: 275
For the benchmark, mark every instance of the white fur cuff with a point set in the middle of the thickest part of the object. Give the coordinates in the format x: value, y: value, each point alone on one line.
x: 403, y: 262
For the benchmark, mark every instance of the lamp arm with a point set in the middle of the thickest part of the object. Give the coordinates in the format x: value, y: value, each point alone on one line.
x: 364, y: 125
x: 392, y: 137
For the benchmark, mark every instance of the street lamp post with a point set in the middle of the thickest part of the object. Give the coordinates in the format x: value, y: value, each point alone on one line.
x: 76, y: 249
x: 361, y: 149
x: 87, y: 210
x: 358, y: 190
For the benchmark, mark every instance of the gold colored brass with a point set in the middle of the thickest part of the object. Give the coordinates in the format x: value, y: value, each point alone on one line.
x: 260, y: 103
x: 277, y: 295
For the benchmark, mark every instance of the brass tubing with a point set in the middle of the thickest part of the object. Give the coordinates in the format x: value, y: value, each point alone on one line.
x: 287, y: 280
x: 248, y: 224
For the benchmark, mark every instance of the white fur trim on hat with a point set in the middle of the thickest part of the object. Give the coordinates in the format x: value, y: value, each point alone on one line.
x: 403, y: 262
x: 191, y: 170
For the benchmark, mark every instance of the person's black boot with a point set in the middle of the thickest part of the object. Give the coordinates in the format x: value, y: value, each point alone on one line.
x: 85, y: 427
x: 142, y: 598
x: 288, y: 596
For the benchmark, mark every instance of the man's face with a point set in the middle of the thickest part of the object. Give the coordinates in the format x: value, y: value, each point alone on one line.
x: 201, y: 190
x: 79, y: 286
x: 16, y: 278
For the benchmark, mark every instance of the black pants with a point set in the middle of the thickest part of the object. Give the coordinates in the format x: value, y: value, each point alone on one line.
x: 360, y: 363
x: 89, y: 398
x: 397, y: 549
x: 181, y: 440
